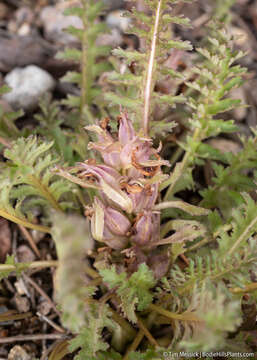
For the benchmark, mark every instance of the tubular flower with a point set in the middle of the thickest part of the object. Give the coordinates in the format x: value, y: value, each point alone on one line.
x: 147, y: 229
x: 129, y: 152
x: 109, y: 181
x: 109, y: 226
x: 144, y: 198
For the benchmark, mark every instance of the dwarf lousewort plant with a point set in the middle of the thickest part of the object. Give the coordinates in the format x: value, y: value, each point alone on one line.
x: 110, y: 296
x: 128, y: 183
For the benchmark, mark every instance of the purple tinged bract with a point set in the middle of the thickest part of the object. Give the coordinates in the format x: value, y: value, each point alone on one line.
x: 109, y: 226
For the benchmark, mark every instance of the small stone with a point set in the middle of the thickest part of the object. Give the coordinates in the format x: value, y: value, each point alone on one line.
x: 21, y: 303
x: 28, y: 85
x: 44, y: 307
x: 225, y: 145
x: 239, y: 113
x: 24, y: 30
x: 21, y: 287
x: 22, y: 21
x: 116, y: 19
x: 20, y: 51
x: 37, y: 236
x: 18, y: 353
x: 54, y: 23
x: 113, y: 38
x: 25, y: 254
x: 241, y: 38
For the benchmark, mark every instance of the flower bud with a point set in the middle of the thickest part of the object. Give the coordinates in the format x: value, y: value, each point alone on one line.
x: 109, y: 226
x: 126, y: 130
x: 109, y: 181
x: 145, y: 199
x: 109, y: 149
x: 116, y: 221
x: 129, y: 151
x: 147, y: 229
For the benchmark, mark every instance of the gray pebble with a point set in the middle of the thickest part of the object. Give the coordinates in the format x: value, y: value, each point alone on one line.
x: 28, y: 85
x: 54, y: 23
x: 116, y: 19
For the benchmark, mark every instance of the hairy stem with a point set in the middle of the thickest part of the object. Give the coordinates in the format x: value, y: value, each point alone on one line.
x: 147, y: 333
x: 123, y: 323
x: 135, y: 344
x: 248, y: 288
x: 33, y: 265
x: 44, y: 192
x: 85, y: 81
x: 174, y: 316
x: 150, y: 71
x: 129, y: 330
x: 191, y: 209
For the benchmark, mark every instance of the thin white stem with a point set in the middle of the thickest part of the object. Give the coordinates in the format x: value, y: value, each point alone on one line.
x: 150, y: 69
x: 191, y: 209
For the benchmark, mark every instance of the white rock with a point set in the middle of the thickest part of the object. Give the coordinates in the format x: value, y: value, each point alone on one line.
x: 54, y: 23
x: 17, y: 352
x: 28, y: 85
x: 113, y: 38
x: 116, y: 19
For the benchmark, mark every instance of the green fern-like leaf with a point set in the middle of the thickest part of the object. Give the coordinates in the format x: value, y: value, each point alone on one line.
x: 27, y: 181
x: 244, y: 226
x: 11, y: 209
x: 147, y: 355
x: 135, y: 89
x: 31, y: 163
x: 219, y: 313
x: 8, y: 129
x: 89, y: 340
x: 234, y: 269
x: 87, y: 56
x: 50, y: 128
x: 230, y: 181
x: 208, y: 96
x: 134, y: 291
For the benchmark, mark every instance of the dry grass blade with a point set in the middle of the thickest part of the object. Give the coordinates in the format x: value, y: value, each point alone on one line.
x: 60, y: 350
x: 36, y: 337
x: 10, y: 316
